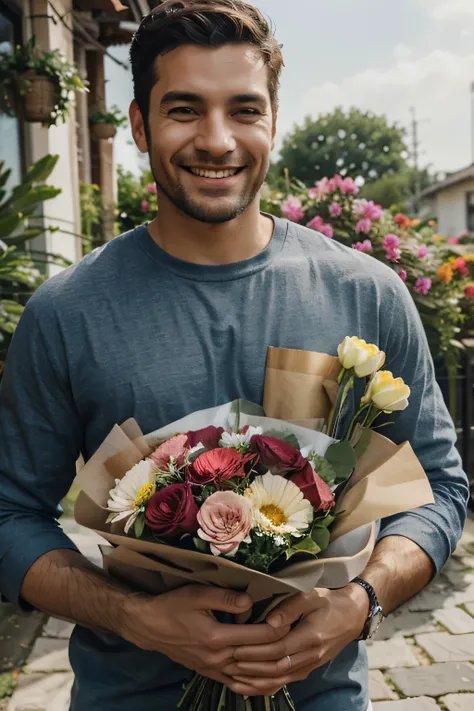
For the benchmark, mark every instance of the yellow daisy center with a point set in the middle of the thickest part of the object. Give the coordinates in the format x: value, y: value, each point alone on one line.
x: 274, y: 514
x: 145, y: 492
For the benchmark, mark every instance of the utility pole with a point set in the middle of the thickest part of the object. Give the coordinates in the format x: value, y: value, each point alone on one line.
x: 415, y: 156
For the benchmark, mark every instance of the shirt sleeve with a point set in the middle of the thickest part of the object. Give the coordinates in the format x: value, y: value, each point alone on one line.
x: 40, y: 440
x: 427, y: 425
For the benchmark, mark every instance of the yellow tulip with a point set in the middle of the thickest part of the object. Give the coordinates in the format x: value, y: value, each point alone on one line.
x: 386, y: 392
x: 364, y: 357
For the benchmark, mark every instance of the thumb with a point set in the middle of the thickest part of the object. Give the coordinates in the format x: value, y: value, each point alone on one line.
x: 213, y: 598
x: 292, y: 609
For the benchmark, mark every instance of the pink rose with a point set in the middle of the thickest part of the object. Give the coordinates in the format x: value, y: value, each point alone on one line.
x: 365, y: 246
x: 318, y: 224
x: 209, y: 437
x: 403, y: 275
x: 292, y: 209
x: 460, y: 265
x: 423, y: 252
x: 144, y: 205
x: 335, y: 209
x: 453, y: 240
x: 314, y: 488
x: 172, y: 512
x: 349, y: 187
x: 218, y: 465
x: 277, y: 455
x: 364, y: 225
x: 175, y: 447
x: 225, y: 519
x: 391, y: 242
x: 151, y: 187
x: 393, y: 255
x: 423, y: 285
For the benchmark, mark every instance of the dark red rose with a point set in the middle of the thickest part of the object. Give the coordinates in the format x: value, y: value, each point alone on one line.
x: 279, y: 456
x: 208, y: 436
x: 218, y: 465
x: 314, y: 488
x: 172, y: 512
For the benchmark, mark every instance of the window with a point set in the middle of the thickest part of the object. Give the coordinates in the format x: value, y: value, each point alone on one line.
x: 11, y: 149
x: 470, y: 212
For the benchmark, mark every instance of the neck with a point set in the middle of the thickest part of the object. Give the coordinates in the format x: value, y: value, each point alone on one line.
x: 202, y: 243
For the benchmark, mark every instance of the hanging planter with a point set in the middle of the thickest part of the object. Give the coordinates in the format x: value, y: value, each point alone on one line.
x: 103, y: 130
x: 104, y: 124
x: 37, y: 86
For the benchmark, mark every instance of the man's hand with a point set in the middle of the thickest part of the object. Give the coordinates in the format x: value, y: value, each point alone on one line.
x: 180, y: 625
x: 331, y: 619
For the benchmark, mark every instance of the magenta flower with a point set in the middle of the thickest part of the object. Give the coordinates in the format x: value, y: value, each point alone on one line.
x: 335, y: 209
x: 423, y: 285
x: 313, y: 193
x: 453, y: 240
x: 367, y: 210
x: 403, y: 275
x: 144, y: 205
x: 393, y: 255
x: 391, y: 242
x: 323, y: 187
x: 423, y: 251
x: 318, y: 224
x: 292, y: 209
x: 364, y: 225
x: 365, y: 246
x: 349, y: 187
x: 151, y: 187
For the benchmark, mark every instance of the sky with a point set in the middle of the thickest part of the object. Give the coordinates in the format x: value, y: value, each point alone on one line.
x: 385, y: 56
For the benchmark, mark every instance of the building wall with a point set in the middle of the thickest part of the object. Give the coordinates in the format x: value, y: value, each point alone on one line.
x: 450, y: 208
x: 63, y: 211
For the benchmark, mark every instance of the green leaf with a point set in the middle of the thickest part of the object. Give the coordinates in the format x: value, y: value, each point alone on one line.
x: 9, y: 223
x: 323, y: 469
x: 201, y: 546
x: 42, y: 169
x: 305, y: 545
x: 320, y: 536
x: 342, y: 457
x: 289, y: 438
x: 363, y: 442
x: 139, y: 525
x: 36, y: 196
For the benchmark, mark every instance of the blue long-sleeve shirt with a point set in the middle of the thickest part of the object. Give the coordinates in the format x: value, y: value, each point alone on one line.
x: 132, y: 332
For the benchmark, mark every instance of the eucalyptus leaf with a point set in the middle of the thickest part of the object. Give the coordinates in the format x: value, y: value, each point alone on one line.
x: 201, y: 546
x: 321, y: 537
x: 364, y: 441
x: 305, y: 545
x: 342, y: 458
x: 323, y: 469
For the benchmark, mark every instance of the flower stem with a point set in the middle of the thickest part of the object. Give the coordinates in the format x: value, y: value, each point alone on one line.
x: 347, y: 383
x: 354, y: 421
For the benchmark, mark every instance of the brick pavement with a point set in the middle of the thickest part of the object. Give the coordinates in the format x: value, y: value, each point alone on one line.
x: 422, y: 659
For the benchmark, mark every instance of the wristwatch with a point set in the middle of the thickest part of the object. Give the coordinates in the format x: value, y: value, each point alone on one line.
x: 376, y: 616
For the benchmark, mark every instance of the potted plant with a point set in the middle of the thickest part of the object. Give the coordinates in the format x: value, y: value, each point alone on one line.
x: 104, y: 124
x: 37, y: 86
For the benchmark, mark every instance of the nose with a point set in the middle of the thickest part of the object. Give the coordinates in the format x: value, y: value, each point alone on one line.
x: 215, y: 136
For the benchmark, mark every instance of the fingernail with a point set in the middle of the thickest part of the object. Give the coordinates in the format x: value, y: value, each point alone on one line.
x: 242, y: 601
x: 275, y: 620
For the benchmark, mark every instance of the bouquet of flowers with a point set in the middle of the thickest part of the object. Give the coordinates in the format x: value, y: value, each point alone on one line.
x: 280, y: 507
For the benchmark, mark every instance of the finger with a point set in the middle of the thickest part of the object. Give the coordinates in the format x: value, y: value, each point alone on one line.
x: 271, y: 686
x: 294, y: 642
x: 205, y: 597
x: 242, y: 635
x: 291, y: 609
x: 273, y: 670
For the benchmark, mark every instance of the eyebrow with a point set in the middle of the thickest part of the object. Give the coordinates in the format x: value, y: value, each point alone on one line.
x: 186, y: 96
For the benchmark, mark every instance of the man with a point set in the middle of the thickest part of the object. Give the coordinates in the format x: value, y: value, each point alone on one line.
x: 176, y: 316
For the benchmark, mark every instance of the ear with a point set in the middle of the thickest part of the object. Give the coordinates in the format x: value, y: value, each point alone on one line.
x: 138, y: 127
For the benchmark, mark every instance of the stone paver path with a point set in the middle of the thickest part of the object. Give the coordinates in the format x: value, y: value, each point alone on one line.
x: 421, y: 660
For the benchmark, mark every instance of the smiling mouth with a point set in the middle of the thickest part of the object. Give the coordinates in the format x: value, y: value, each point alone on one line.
x: 214, y: 174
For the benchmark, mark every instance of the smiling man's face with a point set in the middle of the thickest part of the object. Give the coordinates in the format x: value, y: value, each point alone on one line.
x: 211, y: 129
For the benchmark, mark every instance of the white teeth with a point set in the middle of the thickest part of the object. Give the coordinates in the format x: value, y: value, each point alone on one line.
x: 213, y: 173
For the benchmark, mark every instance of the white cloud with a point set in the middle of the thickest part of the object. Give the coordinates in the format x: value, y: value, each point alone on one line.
x: 437, y: 85
x: 453, y: 9
x: 402, y: 52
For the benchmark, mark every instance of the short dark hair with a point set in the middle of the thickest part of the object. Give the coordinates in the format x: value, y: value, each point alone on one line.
x: 209, y: 23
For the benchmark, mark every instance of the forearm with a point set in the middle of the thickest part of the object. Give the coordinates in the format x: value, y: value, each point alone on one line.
x: 397, y: 570
x: 63, y: 583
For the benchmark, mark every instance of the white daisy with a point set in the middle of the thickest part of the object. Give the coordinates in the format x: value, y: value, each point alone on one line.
x: 279, y: 506
x: 132, y: 492
x: 234, y: 440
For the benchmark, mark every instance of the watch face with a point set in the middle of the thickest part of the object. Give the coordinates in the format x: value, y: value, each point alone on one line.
x: 376, y: 621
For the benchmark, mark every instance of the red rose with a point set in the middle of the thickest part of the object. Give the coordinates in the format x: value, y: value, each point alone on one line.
x: 172, y: 512
x: 217, y: 465
x: 314, y: 488
x: 279, y: 456
x: 209, y: 437
x: 469, y: 291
